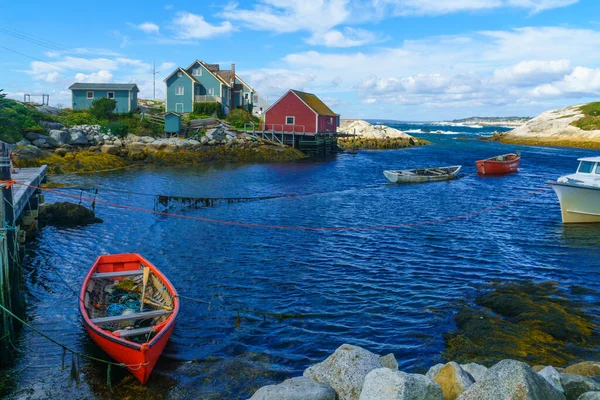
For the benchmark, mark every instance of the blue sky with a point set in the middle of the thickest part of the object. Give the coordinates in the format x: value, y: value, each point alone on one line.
x: 393, y: 59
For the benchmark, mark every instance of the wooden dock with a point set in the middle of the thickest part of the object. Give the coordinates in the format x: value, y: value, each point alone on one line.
x: 18, y: 215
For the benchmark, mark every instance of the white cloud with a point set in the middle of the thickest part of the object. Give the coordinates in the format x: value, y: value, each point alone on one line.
x: 579, y: 83
x: 290, y: 15
x: 148, y: 27
x: 167, y: 67
x: 192, y: 26
x: 275, y: 82
x: 532, y: 73
x: 95, y: 77
x: 439, y: 7
x: 350, y: 37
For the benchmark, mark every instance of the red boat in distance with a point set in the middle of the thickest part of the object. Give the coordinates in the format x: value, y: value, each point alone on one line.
x: 499, y: 165
x: 129, y: 308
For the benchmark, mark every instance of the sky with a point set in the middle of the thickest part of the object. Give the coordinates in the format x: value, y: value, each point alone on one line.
x: 411, y: 60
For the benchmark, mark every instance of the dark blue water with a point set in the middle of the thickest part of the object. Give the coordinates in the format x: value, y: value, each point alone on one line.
x: 300, y: 294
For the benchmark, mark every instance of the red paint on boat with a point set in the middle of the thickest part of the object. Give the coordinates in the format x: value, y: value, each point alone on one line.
x: 499, y: 165
x: 139, y: 359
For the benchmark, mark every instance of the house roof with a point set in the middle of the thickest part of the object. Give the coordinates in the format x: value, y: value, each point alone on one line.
x: 225, y: 74
x: 314, y: 103
x: 182, y: 70
x: 214, y: 70
x: 103, y: 86
x: 212, y: 67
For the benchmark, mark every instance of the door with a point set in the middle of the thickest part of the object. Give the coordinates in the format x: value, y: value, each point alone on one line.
x: 179, y: 107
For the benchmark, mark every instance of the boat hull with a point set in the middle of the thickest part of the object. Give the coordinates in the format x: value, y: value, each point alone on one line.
x: 578, y: 204
x: 138, y: 358
x: 396, y: 177
x: 491, y: 167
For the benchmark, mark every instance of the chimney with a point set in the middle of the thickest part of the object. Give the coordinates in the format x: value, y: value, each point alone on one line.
x: 232, y: 83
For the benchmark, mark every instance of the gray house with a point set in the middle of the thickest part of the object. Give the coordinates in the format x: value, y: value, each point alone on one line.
x: 125, y: 94
x: 259, y: 104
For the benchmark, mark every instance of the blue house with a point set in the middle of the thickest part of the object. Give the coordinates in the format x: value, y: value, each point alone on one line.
x: 125, y: 94
x: 206, y: 83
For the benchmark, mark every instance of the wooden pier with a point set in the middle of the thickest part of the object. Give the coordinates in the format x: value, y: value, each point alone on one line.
x: 18, y: 215
x: 310, y: 143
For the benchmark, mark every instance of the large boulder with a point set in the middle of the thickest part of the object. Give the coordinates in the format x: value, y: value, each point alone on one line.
x: 110, y: 149
x: 590, y: 396
x: 389, y: 361
x: 45, y: 142
x: 476, y: 370
x: 387, y: 384
x: 23, y: 142
x: 510, y: 379
x: 65, y: 214
x: 33, y: 136
x: 301, y: 388
x: 77, y: 138
x: 51, y: 125
x: 586, y: 368
x: 345, y: 370
x: 576, y: 385
x: 30, y: 152
x: 61, y: 137
x: 453, y: 380
x: 550, y: 374
x: 433, y: 371
x: 48, y: 110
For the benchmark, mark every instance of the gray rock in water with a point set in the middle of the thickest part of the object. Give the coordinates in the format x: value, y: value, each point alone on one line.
x: 301, y: 388
x: 51, y: 125
x: 590, y: 396
x: 453, y: 380
x: 476, y: 370
x: 345, y: 370
x: 61, y: 137
x: 77, y: 138
x: 389, y: 361
x: 576, y: 385
x: 386, y: 384
x: 510, y: 379
x: 550, y: 374
x: 433, y: 371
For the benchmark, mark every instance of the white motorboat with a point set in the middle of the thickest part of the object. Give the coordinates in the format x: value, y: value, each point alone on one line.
x: 579, y: 193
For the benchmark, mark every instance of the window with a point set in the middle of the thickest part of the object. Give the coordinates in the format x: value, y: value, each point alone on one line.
x: 255, y: 98
x: 90, y: 95
x: 110, y: 95
x: 179, y: 90
x: 330, y: 120
x: 598, y: 168
x: 290, y: 120
x: 197, y: 71
x: 211, y: 92
x: 179, y: 74
x: 586, y: 167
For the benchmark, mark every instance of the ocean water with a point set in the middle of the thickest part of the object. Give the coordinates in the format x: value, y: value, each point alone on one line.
x: 283, y: 297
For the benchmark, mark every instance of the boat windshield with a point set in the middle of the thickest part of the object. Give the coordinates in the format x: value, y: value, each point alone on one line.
x: 586, y: 167
x: 598, y: 168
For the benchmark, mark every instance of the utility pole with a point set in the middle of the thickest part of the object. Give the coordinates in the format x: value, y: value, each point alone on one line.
x: 154, y: 72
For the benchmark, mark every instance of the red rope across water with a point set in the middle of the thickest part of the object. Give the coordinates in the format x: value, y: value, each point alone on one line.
x: 285, y: 227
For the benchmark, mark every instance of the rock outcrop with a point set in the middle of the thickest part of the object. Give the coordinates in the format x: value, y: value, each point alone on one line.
x: 386, y: 384
x: 300, y: 388
x: 363, y: 135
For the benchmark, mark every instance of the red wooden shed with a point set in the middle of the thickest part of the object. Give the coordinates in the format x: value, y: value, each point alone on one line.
x: 301, y: 112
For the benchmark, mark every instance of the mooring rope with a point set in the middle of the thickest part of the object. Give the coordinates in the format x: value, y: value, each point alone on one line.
x: 289, y: 227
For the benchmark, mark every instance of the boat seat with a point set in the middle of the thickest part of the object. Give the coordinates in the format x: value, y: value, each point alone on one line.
x: 118, y: 274
x: 131, y: 317
x: 134, y: 332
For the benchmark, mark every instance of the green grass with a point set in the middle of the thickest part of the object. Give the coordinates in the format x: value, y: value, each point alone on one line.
x: 16, y: 119
x: 591, y: 120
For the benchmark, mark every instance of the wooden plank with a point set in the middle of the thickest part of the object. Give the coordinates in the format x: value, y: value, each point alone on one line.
x: 130, y: 317
x: 135, y: 332
x: 118, y: 274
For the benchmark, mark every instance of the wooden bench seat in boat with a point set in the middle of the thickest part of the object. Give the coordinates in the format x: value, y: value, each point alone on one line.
x: 99, y: 275
x: 133, y: 332
x: 129, y: 317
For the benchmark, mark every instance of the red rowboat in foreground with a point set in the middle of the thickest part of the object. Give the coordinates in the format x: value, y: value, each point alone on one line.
x: 499, y: 165
x: 129, y: 309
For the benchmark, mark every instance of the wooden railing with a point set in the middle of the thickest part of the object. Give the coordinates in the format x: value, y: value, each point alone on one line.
x: 206, y: 99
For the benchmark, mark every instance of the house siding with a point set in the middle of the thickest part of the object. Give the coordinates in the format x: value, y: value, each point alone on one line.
x: 241, y: 95
x: 290, y: 105
x: 188, y: 93
x: 81, y: 102
x: 328, y: 123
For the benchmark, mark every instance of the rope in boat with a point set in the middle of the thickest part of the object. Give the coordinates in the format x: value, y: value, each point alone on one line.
x: 287, y: 227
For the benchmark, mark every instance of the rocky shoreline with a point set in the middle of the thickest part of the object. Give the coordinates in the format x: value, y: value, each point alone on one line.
x: 91, y: 149
x: 354, y: 373
x: 362, y: 135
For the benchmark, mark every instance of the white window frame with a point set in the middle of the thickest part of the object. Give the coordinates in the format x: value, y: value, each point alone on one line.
x: 87, y: 95
x: 177, y: 90
x: 330, y: 120
x: 197, y: 71
x: 108, y: 95
x: 293, y: 120
x: 211, y: 91
x: 179, y: 74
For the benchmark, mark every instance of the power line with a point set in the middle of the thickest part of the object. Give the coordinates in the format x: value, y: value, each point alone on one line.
x: 37, y: 59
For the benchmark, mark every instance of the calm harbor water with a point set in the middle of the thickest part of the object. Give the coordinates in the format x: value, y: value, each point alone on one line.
x: 283, y: 299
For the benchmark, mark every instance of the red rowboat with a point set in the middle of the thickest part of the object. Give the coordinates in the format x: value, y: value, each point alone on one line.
x: 129, y: 309
x: 499, y: 165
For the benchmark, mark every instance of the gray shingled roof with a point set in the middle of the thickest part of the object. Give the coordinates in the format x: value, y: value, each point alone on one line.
x: 103, y: 86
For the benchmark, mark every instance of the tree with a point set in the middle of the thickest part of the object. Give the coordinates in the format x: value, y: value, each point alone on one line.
x: 103, y: 108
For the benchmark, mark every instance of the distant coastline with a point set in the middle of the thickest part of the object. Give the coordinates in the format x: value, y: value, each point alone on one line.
x: 471, y: 121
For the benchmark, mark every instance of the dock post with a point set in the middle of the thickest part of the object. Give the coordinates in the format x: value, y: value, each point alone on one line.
x: 9, y: 294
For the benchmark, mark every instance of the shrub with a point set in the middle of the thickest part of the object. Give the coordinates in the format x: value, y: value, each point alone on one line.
x: 239, y: 117
x: 214, y: 109
x: 117, y: 128
x: 103, y: 108
x: 17, y: 119
x: 591, y: 121
x: 79, y: 117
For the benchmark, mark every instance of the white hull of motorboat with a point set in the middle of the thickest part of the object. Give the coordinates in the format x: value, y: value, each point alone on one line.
x: 578, y: 204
